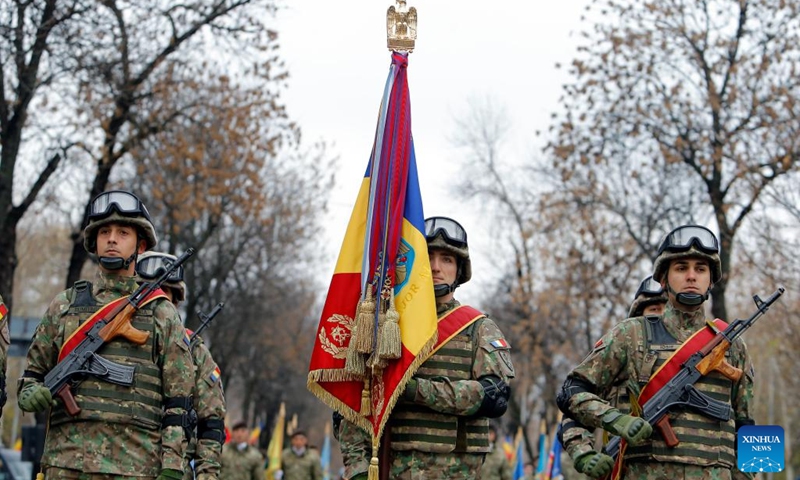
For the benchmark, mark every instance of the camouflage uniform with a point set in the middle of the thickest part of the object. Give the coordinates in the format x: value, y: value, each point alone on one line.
x: 301, y: 467
x: 496, y: 465
x: 447, y: 403
x: 5, y: 342
x: 209, y: 403
x: 246, y: 464
x: 119, y: 431
x: 626, y: 357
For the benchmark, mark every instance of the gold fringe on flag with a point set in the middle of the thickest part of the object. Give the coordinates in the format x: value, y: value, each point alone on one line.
x: 365, y: 323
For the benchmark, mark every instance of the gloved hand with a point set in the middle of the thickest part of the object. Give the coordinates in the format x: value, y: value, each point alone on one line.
x: 170, y: 474
x: 634, y: 430
x: 410, y: 392
x: 35, y: 397
x: 594, y: 464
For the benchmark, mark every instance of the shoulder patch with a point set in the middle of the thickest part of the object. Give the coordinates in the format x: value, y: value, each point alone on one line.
x: 500, y: 343
x: 214, y: 376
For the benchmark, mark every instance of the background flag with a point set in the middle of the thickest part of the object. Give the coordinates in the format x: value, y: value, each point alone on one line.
x: 379, y: 320
x: 518, y: 461
x: 256, y: 433
x: 541, y: 467
x: 275, y: 447
x: 325, y: 454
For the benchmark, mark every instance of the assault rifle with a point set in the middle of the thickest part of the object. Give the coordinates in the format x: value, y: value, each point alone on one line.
x: 83, y: 359
x: 680, y: 390
x: 204, y: 321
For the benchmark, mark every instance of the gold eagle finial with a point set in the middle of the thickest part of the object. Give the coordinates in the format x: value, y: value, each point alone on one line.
x: 401, y: 27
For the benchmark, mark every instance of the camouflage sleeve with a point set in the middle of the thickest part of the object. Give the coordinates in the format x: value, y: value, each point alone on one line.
x: 209, y: 401
x: 742, y: 395
x: 576, y: 438
x: 505, y: 470
x: 464, y: 397
x: 316, y: 464
x: 605, y: 365
x: 257, y: 466
x: 47, y: 340
x: 177, y: 378
x: 356, y: 448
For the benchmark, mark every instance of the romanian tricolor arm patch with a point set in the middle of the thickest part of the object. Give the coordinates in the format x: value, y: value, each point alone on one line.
x: 500, y: 343
x: 214, y: 377
x: 186, y: 338
x: 3, y: 311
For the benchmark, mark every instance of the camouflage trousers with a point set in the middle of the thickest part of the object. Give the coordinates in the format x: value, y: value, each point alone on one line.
x: 66, y: 474
x: 674, y: 471
x: 415, y: 465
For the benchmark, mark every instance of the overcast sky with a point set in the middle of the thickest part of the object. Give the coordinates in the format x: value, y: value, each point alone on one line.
x: 338, y: 62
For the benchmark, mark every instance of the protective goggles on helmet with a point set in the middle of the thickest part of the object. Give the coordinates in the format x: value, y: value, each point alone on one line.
x: 153, y: 266
x: 453, y: 232
x: 649, y: 288
x: 125, y: 203
x: 683, y: 238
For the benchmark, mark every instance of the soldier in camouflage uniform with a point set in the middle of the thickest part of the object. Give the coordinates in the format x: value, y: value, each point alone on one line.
x: 299, y: 462
x: 241, y: 461
x: 440, y: 426
x: 205, y: 447
x: 650, y: 300
x: 687, y: 265
x: 121, y: 431
x: 496, y: 466
x: 5, y: 342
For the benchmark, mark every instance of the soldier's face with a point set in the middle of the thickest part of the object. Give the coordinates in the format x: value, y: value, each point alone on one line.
x: 119, y: 240
x: 654, y: 309
x: 689, y: 275
x: 240, y: 435
x: 444, y: 268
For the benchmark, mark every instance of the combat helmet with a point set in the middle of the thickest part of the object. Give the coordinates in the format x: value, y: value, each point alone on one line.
x: 688, y: 241
x: 648, y: 293
x: 118, y: 206
x: 152, y: 265
x: 449, y: 235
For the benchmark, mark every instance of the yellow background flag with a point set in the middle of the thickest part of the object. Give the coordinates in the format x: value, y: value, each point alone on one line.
x: 276, y: 445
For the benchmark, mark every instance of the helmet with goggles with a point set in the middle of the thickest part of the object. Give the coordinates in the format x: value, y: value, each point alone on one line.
x: 118, y: 206
x: 152, y: 265
x: 447, y: 234
x: 688, y: 241
x: 648, y: 293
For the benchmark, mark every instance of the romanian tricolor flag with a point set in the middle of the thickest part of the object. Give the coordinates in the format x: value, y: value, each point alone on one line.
x: 379, y: 320
x: 275, y: 447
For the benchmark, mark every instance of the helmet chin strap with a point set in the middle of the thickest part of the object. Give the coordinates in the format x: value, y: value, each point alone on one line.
x: 442, y: 289
x: 116, y: 263
x: 689, y: 299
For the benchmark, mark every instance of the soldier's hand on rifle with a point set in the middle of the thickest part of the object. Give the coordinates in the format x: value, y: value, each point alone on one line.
x: 594, y: 464
x: 170, y: 474
x: 35, y: 397
x: 634, y: 430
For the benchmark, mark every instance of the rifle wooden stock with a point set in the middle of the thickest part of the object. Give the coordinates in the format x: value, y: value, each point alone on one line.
x: 120, y: 326
x: 667, y: 432
x: 65, y: 393
x: 715, y: 360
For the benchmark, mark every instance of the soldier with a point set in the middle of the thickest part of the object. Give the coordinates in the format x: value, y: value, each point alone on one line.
x: 650, y: 300
x: 440, y: 425
x: 496, y: 466
x: 240, y: 460
x: 208, y: 398
x: 300, y: 462
x: 687, y: 266
x: 5, y: 342
x: 121, y: 431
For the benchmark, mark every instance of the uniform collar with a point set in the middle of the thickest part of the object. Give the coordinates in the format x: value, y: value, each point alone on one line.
x: 121, y: 284
x: 684, y: 320
x: 442, y: 308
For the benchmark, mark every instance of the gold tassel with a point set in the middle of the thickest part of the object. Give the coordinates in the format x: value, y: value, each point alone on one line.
x: 373, y: 472
x: 365, y: 323
x: 366, y: 402
x: 390, y: 342
x: 354, y: 363
x: 375, y: 362
x: 40, y: 476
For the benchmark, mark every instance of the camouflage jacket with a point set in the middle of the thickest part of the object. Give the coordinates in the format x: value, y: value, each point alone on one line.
x: 462, y: 397
x: 496, y: 466
x: 209, y: 402
x: 5, y: 342
x: 301, y: 467
x: 245, y: 464
x: 619, y: 355
x: 103, y: 447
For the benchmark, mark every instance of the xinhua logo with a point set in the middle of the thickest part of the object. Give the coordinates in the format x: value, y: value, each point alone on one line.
x: 760, y: 448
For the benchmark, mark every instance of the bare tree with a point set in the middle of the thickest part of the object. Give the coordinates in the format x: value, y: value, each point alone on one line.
x: 707, y: 86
